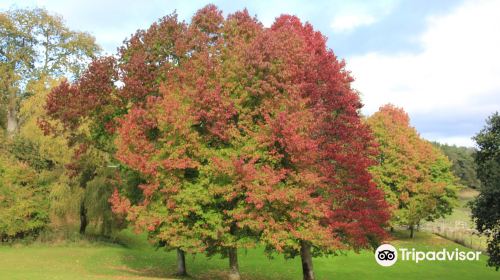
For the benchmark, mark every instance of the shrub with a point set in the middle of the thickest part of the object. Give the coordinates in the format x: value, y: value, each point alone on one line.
x: 23, y: 204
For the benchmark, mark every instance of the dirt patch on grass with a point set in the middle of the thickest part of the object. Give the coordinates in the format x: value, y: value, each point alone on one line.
x: 146, y: 273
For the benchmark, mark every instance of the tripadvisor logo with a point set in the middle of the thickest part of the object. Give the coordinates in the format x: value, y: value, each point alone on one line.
x: 387, y: 255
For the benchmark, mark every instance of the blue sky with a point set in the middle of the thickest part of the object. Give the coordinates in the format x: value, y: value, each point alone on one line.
x: 439, y: 60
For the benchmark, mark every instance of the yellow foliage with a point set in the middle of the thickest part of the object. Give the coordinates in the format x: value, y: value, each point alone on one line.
x: 32, y: 108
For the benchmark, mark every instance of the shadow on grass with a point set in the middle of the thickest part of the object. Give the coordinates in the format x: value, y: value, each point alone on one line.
x: 139, y: 258
x: 148, y: 262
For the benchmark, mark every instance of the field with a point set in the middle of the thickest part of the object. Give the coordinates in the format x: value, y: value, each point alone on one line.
x: 136, y: 259
x: 459, y: 226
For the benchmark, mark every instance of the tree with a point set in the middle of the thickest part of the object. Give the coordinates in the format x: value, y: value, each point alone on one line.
x: 415, y: 176
x: 89, y: 109
x: 486, y: 207
x: 463, y: 166
x: 23, y: 199
x: 181, y: 140
x: 34, y: 45
x: 241, y: 144
x: 199, y: 114
x: 310, y: 190
x: 76, y: 112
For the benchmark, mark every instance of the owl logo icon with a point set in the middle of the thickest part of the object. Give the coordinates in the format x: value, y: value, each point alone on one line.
x: 386, y: 255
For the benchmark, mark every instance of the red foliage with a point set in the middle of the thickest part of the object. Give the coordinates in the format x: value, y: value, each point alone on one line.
x: 331, y: 148
x: 262, y: 122
x: 69, y: 103
x: 119, y: 204
x: 306, y: 177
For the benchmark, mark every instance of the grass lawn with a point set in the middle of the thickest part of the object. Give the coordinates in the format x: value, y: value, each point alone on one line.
x: 461, y: 211
x: 138, y: 260
x: 459, y: 225
x: 461, y: 215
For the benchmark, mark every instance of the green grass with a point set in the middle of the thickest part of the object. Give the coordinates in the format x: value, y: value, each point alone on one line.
x: 461, y: 212
x: 459, y: 226
x: 138, y: 260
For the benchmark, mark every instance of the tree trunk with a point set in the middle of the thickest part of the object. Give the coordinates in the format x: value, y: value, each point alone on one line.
x: 234, y: 270
x: 83, y: 217
x: 181, y: 263
x: 392, y: 229
x: 306, y: 257
x: 411, y: 231
x: 12, y: 124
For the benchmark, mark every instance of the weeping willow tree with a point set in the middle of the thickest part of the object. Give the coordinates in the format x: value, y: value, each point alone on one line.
x: 96, y: 196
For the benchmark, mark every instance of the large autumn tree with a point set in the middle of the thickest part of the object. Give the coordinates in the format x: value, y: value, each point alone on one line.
x: 309, y: 191
x: 255, y: 134
x: 87, y: 110
x: 486, y: 207
x: 415, y: 176
x: 188, y: 138
x: 34, y: 45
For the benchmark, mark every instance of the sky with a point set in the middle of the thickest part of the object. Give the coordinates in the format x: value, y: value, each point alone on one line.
x: 439, y: 60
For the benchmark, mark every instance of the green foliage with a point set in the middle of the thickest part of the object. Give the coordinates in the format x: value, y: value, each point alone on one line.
x: 416, y: 177
x: 3, y: 117
x: 51, y: 148
x: 446, y: 183
x: 96, y: 195
x: 23, y: 207
x: 463, y: 166
x: 35, y: 45
x: 28, y: 151
x: 62, y: 196
x: 486, y: 207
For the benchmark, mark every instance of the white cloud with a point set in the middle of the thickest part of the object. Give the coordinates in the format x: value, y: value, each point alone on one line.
x: 354, y: 14
x: 346, y: 23
x: 457, y: 73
